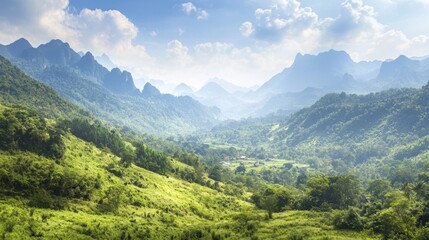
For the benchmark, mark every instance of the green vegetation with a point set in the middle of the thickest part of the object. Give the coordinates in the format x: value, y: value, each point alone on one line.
x: 349, y: 167
x: 89, y: 193
x: 18, y: 88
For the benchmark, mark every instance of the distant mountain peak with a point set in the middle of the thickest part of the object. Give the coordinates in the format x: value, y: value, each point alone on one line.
x: 21, y: 42
x: 335, y: 55
x: 89, y: 65
x: 150, y: 91
x: 120, y: 82
x: 88, y: 55
x: 325, y: 71
x: 17, y: 47
x: 212, y: 87
x: 105, y: 61
x: 57, y: 42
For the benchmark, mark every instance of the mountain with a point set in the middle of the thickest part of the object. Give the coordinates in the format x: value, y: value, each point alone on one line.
x: 183, y: 90
x: 18, y: 47
x: 356, y: 118
x: 335, y: 71
x: 18, y: 88
x: 328, y: 70
x: 55, y: 52
x: 159, y: 115
x: 105, y: 61
x: 212, y: 94
x: 150, y: 91
x: 290, y: 101
x: 230, y: 87
x: 120, y: 82
x: 112, y: 95
x: 88, y: 65
x: 212, y: 90
x: 402, y: 72
x: 162, y: 86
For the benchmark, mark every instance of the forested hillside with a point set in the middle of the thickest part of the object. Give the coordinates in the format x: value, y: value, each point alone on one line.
x: 18, y: 88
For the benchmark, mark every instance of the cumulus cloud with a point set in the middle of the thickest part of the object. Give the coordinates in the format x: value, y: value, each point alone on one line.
x: 247, y: 29
x: 284, y: 17
x: 202, y: 15
x: 31, y: 19
x: 178, y: 53
x: 356, y: 29
x: 189, y: 8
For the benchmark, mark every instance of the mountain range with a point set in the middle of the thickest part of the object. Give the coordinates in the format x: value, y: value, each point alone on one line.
x: 309, y: 78
x: 110, y: 95
x: 58, y: 65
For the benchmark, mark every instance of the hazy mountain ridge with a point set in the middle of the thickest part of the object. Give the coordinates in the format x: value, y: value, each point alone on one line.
x: 335, y: 71
x: 326, y: 72
x: 111, y: 95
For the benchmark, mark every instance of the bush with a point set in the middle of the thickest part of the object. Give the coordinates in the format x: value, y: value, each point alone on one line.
x: 349, y: 220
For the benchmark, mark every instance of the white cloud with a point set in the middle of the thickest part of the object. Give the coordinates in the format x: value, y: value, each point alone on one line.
x: 212, y: 47
x: 247, y: 29
x: 153, y: 34
x: 178, y: 53
x: 31, y: 19
x: 202, y: 15
x: 287, y: 25
x: 189, y: 7
x: 284, y: 17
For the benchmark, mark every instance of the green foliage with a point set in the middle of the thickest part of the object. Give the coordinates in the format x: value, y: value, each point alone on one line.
x: 378, y: 188
x: 152, y: 160
x: 348, y: 219
x: 338, y: 192
x: 96, y: 133
x: 18, y: 89
x: 112, y: 199
x: 396, y: 220
x: 274, y: 199
x: 25, y: 130
x: 215, y: 172
x: 27, y: 173
x: 240, y: 169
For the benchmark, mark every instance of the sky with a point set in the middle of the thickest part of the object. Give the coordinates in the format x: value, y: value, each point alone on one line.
x: 243, y: 42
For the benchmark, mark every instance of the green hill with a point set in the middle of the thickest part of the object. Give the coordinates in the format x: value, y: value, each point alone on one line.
x: 18, y: 88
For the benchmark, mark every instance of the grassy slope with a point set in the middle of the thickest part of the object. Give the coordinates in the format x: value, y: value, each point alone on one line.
x: 171, y: 203
x: 305, y: 224
x: 152, y: 205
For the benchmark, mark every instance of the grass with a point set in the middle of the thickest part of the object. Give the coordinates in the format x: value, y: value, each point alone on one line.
x: 152, y: 206
x: 305, y: 225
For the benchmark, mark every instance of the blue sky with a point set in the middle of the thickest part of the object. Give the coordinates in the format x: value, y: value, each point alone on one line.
x: 244, y: 42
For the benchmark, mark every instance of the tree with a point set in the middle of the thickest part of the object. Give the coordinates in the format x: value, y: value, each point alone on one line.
x: 215, y: 173
x: 397, y: 220
x: 240, y: 169
x: 378, y: 188
x: 274, y: 199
